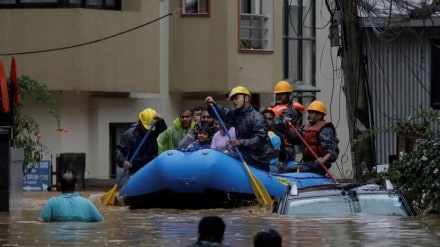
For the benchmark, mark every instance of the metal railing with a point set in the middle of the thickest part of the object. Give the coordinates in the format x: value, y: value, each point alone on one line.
x: 253, y: 33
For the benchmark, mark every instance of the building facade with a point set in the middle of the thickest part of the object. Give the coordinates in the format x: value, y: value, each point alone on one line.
x: 105, y: 61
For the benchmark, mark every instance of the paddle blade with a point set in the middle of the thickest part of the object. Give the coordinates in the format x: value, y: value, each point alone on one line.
x: 109, y: 198
x: 260, y: 191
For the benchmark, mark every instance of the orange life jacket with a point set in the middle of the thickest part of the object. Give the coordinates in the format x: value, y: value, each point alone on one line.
x: 311, y: 136
x: 297, y: 106
x: 279, y: 109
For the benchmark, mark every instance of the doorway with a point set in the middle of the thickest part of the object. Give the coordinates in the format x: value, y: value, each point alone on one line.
x: 116, y: 131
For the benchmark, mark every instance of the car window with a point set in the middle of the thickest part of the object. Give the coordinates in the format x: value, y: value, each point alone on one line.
x: 381, y: 204
x: 320, y: 206
x: 388, y: 204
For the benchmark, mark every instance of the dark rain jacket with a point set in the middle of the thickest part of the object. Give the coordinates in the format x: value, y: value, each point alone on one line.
x: 289, y: 152
x: 251, y: 131
x: 291, y: 113
x: 327, y: 139
x: 131, y: 139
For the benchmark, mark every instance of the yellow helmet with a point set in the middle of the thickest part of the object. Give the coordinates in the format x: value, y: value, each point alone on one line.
x: 239, y: 90
x: 318, y: 106
x: 147, y: 117
x: 283, y: 87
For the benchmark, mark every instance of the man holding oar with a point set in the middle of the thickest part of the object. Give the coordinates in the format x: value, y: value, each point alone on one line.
x: 138, y: 146
x: 132, y: 137
x: 319, y: 139
x: 250, y: 127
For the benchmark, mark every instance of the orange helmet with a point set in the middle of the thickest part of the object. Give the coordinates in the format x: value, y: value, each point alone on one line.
x: 318, y: 106
x: 283, y: 87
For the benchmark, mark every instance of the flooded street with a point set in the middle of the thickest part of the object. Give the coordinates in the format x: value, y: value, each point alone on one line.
x: 159, y: 227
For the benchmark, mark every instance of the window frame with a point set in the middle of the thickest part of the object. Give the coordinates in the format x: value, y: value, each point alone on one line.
x: 266, y: 15
x: 19, y: 4
x: 199, y: 14
x: 299, y: 43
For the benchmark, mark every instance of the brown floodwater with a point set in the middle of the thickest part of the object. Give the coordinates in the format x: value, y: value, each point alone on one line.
x: 160, y: 227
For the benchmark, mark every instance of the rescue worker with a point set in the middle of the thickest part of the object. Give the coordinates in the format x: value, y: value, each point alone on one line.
x: 251, y: 131
x: 283, y: 93
x: 133, y: 136
x: 320, y: 135
x: 284, y: 107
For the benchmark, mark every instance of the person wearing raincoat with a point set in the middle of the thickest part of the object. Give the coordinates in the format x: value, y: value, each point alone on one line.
x: 250, y: 127
x: 133, y: 136
x: 170, y: 138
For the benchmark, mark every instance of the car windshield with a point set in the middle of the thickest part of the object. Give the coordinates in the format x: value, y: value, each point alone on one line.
x: 377, y: 204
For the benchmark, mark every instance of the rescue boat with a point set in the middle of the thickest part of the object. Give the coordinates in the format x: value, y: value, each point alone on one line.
x: 205, y: 178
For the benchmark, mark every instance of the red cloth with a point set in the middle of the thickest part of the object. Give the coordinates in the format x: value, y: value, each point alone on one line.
x: 4, y: 89
x: 14, y: 81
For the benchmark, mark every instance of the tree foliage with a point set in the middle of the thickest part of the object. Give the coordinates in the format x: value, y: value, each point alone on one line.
x: 416, y: 173
x: 26, y: 131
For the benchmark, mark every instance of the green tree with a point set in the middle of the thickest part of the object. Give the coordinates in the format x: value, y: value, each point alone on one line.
x: 416, y: 172
x: 26, y: 131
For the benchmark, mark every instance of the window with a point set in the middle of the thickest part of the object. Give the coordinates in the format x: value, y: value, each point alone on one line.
x: 299, y: 41
x: 256, y: 24
x: 93, y: 4
x: 388, y: 204
x: 196, y: 7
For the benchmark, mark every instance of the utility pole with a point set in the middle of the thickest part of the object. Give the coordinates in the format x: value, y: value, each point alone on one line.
x: 356, y: 90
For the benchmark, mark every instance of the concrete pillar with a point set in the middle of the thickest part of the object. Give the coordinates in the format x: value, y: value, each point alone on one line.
x: 16, y: 178
x: 11, y: 177
x: 305, y: 91
x: 5, y: 140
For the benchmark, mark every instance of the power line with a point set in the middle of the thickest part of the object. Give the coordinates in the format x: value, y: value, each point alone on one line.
x: 89, y: 42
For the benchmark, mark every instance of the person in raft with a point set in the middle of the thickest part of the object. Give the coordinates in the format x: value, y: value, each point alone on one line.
x: 250, y: 127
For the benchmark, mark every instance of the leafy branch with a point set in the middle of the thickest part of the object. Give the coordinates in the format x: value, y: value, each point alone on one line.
x: 416, y: 171
x: 26, y: 132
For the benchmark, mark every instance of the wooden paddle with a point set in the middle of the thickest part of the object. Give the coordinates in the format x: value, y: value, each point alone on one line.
x: 313, y: 152
x: 109, y: 198
x: 260, y: 191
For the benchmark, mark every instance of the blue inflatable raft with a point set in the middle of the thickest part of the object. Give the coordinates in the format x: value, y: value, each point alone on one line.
x: 204, y: 179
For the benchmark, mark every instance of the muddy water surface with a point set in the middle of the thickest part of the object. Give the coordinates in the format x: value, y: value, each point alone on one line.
x: 159, y: 227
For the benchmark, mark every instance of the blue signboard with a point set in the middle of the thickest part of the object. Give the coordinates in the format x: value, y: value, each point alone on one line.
x: 37, y: 177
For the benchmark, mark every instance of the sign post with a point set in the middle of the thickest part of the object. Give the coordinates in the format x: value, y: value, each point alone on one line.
x: 37, y: 177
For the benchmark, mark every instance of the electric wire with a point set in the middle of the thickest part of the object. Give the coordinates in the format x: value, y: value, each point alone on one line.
x: 93, y: 41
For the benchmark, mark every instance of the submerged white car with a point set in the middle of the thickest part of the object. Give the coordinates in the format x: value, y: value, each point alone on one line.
x: 345, y: 198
